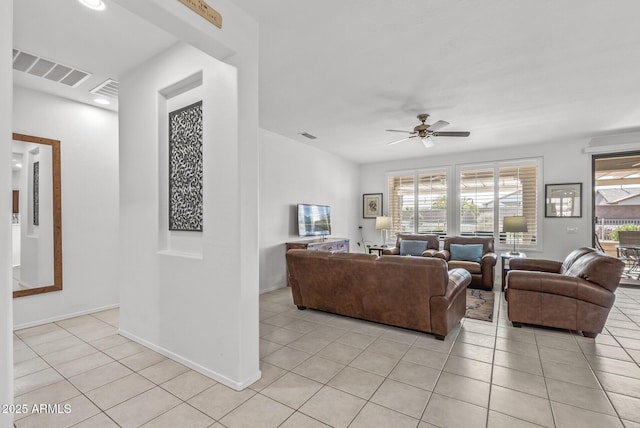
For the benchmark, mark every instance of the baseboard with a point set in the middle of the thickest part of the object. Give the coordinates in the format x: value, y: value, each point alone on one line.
x: 64, y: 317
x: 271, y: 288
x: 238, y: 386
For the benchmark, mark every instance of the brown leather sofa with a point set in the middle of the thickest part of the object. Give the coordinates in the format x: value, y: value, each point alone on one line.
x: 410, y: 292
x: 576, y: 294
x: 482, y: 272
x: 433, y: 244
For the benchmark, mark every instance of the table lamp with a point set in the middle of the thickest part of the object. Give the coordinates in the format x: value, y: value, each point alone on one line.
x: 513, y: 225
x: 383, y: 224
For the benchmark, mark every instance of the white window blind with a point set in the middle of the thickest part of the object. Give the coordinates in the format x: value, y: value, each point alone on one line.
x: 432, y: 202
x: 419, y: 201
x: 401, y: 203
x: 518, y: 196
x: 476, y: 195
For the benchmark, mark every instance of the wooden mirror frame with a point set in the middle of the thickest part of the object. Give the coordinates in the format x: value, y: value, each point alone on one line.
x: 57, y: 215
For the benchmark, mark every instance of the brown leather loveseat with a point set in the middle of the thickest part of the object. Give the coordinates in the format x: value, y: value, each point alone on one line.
x: 576, y: 294
x: 410, y: 292
x: 481, y: 269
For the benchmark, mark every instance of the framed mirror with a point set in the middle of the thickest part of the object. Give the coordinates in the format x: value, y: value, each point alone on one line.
x: 37, y: 215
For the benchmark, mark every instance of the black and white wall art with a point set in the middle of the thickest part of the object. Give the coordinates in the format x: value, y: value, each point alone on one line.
x: 36, y: 193
x: 185, y: 168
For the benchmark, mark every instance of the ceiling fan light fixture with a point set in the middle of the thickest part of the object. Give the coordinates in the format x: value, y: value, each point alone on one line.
x: 93, y: 4
x: 427, y: 132
x: 427, y: 142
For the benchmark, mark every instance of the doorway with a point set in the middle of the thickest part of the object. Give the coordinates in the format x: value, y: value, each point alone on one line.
x: 616, y: 198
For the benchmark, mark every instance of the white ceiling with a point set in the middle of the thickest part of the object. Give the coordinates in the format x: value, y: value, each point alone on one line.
x: 509, y: 71
x: 106, y: 44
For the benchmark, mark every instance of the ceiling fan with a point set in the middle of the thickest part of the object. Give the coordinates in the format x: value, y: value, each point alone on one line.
x: 424, y: 131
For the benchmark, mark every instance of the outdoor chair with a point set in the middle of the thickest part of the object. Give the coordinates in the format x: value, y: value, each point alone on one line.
x: 628, y: 250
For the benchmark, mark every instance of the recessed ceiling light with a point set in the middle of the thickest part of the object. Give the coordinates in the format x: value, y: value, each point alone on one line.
x: 93, y: 4
x: 101, y: 101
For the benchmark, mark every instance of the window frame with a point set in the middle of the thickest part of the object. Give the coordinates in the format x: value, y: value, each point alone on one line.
x: 496, y: 166
x: 416, y: 172
x: 452, y: 173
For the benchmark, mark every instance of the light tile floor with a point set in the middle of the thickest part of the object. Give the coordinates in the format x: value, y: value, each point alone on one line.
x: 320, y: 369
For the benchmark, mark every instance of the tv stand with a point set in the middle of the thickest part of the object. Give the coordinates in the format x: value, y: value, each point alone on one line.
x: 332, y: 245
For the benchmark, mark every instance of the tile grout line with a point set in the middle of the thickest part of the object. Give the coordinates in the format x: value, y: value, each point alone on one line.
x: 380, y: 335
x: 81, y: 393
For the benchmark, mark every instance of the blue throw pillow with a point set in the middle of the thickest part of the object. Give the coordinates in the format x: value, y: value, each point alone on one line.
x: 412, y: 248
x: 468, y: 252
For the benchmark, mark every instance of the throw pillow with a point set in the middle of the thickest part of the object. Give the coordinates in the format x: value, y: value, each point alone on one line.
x: 468, y: 252
x: 412, y: 248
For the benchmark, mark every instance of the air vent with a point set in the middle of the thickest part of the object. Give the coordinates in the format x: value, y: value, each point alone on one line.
x: 309, y: 136
x: 108, y: 88
x: 50, y: 70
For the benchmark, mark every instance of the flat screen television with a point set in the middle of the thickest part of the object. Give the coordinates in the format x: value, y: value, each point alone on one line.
x: 314, y: 220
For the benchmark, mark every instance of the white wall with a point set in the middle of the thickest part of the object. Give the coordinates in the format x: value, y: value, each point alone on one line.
x: 292, y: 173
x: 563, y: 162
x: 16, y: 180
x: 6, y: 301
x: 173, y: 299
x: 89, y: 174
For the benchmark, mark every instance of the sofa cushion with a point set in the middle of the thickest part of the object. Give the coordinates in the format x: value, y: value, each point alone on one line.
x: 471, y: 267
x: 466, y: 252
x: 412, y: 248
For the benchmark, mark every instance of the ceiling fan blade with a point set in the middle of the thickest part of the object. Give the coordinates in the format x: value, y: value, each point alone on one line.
x: 438, y: 125
x: 400, y: 140
x: 397, y: 130
x: 452, y: 134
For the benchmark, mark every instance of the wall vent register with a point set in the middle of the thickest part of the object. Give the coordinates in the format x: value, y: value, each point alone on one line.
x: 50, y: 70
x: 108, y: 88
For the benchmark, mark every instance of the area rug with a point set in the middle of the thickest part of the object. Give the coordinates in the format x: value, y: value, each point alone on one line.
x: 479, y: 305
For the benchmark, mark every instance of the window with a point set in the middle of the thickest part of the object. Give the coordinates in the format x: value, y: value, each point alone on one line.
x: 432, y: 202
x: 425, y: 202
x: 401, y: 203
x: 503, y: 189
x: 476, y: 202
x: 519, y: 197
x: 418, y: 202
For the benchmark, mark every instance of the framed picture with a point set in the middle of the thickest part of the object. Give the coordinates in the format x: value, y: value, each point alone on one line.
x: 36, y: 193
x: 563, y: 200
x: 371, y: 205
x: 185, y: 168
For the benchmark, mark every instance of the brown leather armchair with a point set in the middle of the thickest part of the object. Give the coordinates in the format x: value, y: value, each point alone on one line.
x: 433, y: 244
x: 482, y: 271
x: 576, y: 294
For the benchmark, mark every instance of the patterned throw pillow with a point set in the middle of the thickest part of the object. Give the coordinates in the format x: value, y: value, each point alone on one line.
x: 468, y: 252
x: 412, y: 248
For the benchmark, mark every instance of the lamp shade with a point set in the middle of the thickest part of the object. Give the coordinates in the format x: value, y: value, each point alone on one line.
x: 383, y: 222
x: 514, y: 224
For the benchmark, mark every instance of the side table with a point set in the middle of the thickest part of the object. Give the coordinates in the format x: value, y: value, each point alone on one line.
x: 377, y: 248
x: 505, y: 257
